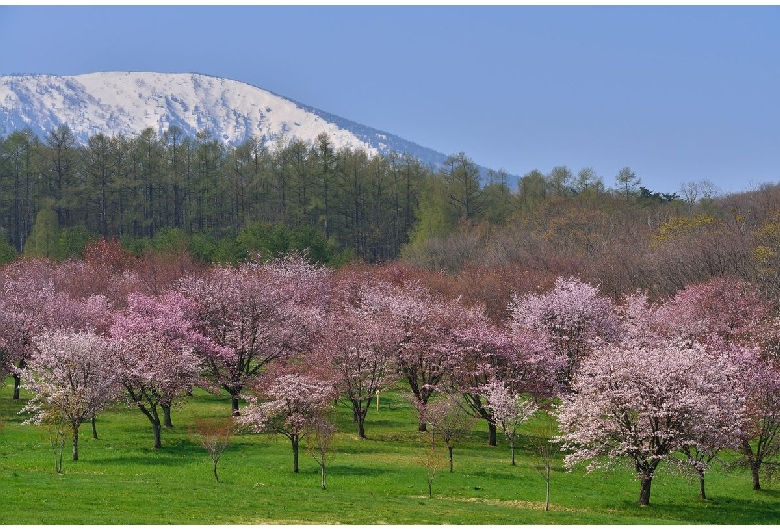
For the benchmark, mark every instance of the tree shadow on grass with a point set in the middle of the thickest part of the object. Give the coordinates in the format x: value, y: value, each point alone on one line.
x: 168, y: 455
x: 714, y: 511
x: 346, y: 470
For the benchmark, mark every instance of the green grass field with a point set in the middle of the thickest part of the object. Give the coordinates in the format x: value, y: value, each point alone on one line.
x: 120, y: 479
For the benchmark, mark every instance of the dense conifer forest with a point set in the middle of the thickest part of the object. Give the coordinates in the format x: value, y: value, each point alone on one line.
x: 174, y: 193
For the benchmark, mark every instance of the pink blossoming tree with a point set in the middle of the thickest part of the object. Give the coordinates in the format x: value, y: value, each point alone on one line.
x: 291, y: 405
x: 72, y: 375
x: 575, y: 318
x: 641, y: 403
x: 509, y: 409
x: 155, y: 344
x: 357, y: 347
x: 257, y: 314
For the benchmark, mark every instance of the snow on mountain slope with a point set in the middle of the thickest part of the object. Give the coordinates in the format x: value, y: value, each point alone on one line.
x: 128, y: 102
x: 232, y: 111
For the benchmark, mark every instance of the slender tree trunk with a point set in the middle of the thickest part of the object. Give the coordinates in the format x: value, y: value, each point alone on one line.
x: 322, y: 469
x: 234, y: 405
x: 702, y: 494
x: 295, y: 440
x: 167, y: 416
x: 17, y: 385
x: 94, y: 428
x: 216, y: 477
x: 512, y: 446
x: 157, y: 438
x: 449, y: 448
x: 361, y: 428
x: 547, y: 487
x: 492, y: 441
x: 644, y: 492
x: 75, y: 443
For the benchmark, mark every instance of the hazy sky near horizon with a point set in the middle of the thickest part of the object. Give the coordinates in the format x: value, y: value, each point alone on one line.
x: 679, y: 94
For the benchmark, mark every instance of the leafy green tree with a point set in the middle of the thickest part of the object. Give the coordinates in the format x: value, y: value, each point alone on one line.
x: 45, y: 237
x: 560, y: 181
x: 627, y: 180
x: 462, y: 186
x: 531, y: 190
x: 498, y: 201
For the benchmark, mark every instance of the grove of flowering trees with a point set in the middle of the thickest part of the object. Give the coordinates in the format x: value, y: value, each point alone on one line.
x: 670, y: 381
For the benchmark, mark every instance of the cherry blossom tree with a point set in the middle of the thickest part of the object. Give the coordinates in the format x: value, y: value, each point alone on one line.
x: 760, y: 445
x: 358, y: 345
x: 723, y: 426
x: 27, y: 286
x: 72, y: 375
x: 30, y: 303
x: 522, y: 359
x: 257, y: 314
x: 574, y: 316
x: 155, y: 344
x: 449, y: 420
x: 426, y: 323
x: 509, y: 409
x: 725, y: 309
x: 640, y: 403
x: 291, y: 405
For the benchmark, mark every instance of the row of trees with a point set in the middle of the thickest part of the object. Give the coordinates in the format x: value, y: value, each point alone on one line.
x: 55, y: 194
x: 674, y: 380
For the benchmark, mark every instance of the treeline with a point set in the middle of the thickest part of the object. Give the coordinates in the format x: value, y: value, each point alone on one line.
x: 219, y: 200
x: 623, y: 242
x: 135, y: 189
x: 227, y: 204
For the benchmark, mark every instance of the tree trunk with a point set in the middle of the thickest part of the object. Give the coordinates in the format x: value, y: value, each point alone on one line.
x: 512, y: 446
x: 94, y: 429
x: 702, y: 495
x: 450, y: 450
x: 492, y: 434
x: 644, y: 492
x: 547, y: 488
x: 361, y: 421
x: 234, y: 405
x: 422, y: 426
x: 322, y: 468
x: 295, y: 440
x: 167, y: 415
x: 157, y: 439
x: 17, y: 384
x: 754, y: 469
x: 75, y: 443
x: 755, y: 464
x: 216, y: 477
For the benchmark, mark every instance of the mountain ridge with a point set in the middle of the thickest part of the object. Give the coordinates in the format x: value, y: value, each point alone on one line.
x: 232, y: 111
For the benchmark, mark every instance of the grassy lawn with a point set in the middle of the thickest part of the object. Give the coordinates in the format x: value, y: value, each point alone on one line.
x: 120, y: 479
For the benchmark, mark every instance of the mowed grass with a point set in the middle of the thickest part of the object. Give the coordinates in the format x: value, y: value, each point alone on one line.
x: 120, y: 479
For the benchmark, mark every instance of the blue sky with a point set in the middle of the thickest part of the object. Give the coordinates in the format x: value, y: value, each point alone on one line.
x: 679, y: 94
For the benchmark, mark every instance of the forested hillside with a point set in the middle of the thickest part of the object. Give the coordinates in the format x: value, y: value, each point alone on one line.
x: 223, y: 204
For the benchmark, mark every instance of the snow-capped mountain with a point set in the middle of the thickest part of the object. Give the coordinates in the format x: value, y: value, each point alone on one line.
x: 129, y: 102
